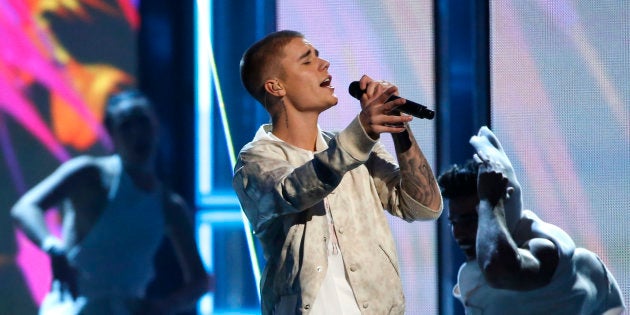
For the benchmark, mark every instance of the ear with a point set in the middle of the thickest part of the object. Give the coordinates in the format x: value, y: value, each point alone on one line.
x: 274, y: 87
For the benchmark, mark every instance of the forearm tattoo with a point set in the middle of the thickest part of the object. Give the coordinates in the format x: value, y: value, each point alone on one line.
x: 417, y: 177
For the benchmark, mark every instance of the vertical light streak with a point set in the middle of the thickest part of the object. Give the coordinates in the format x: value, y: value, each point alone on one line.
x: 203, y: 115
x: 207, y: 75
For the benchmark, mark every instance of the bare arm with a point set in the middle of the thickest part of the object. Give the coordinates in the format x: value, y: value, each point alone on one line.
x: 77, y: 177
x: 28, y: 212
x: 378, y: 116
x: 417, y: 178
x: 502, y: 262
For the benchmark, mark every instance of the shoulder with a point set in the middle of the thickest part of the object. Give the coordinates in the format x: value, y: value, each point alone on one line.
x: 531, y: 226
x: 79, y: 167
x: 264, y: 155
x: 70, y: 178
x: 588, y: 266
x: 263, y: 148
x: 587, y: 262
x: 80, y: 162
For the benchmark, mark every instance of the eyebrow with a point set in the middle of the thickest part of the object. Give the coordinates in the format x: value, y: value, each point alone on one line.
x: 308, y: 53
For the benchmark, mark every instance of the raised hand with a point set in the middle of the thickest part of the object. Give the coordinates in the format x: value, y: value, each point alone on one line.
x: 492, y: 185
x: 377, y: 114
x: 62, y: 271
x: 491, y: 156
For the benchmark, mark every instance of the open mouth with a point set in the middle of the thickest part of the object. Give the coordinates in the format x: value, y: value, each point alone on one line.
x: 466, y: 244
x: 326, y: 82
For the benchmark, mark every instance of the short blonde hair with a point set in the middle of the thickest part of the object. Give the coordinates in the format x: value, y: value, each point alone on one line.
x: 261, y: 59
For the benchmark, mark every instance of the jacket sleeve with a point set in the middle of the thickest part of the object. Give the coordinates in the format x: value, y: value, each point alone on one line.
x: 268, y: 185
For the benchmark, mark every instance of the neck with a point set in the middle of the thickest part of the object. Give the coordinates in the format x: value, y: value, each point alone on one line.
x: 142, y: 176
x: 299, y: 130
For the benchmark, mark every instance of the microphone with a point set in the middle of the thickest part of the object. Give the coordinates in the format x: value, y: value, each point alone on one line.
x: 409, y: 108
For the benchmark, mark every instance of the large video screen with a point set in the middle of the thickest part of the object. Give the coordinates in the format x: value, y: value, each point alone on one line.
x: 561, y: 107
x: 392, y: 41
x: 59, y: 61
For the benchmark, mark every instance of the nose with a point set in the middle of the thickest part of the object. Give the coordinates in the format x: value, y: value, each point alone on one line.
x: 324, y: 64
x: 457, y: 231
x: 461, y: 231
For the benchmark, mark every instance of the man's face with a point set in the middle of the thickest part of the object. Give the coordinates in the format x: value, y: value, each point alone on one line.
x: 463, y: 218
x: 306, y: 78
x: 134, y: 133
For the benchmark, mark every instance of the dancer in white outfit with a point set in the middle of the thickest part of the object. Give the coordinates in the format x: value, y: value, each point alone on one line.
x: 115, y: 213
x: 517, y: 263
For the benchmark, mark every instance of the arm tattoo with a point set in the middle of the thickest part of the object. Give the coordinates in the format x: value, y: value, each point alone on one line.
x: 417, y: 178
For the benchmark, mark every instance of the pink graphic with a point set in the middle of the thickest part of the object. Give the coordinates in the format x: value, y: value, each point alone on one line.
x: 33, y: 55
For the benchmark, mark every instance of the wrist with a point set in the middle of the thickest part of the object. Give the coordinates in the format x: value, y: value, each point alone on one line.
x: 487, y: 203
x: 51, y: 244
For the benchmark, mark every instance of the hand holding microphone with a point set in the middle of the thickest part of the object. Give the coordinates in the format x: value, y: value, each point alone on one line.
x: 410, y: 107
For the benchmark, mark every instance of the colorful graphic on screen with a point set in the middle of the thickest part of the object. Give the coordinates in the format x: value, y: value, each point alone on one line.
x: 59, y: 62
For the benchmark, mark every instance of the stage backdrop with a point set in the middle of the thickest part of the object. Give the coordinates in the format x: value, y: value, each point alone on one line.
x: 560, y: 106
x: 387, y: 40
x: 59, y: 60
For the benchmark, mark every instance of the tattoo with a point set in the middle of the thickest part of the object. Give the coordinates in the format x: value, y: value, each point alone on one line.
x: 417, y: 178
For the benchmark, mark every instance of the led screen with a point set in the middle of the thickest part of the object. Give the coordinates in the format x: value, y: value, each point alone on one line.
x: 560, y: 105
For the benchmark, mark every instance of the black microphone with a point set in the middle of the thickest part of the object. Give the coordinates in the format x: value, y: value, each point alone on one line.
x: 409, y: 108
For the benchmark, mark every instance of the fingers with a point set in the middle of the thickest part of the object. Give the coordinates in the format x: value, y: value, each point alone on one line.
x: 493, y: 186
x: 70, y: 286
x: 486, y: 163
x: 373, y: 88
x: 382, y: 89
x: 73, y: 288
x: 480, y: 158
x: 481, y: 144
x: 364, y: 81
x: 492, y: 138
x: 488, y: 149
x: 378, y: 113
x: 486, y: 143
x: 65, y: 274
x: 375, y: 123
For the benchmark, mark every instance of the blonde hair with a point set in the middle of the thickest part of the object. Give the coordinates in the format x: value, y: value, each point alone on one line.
x: 261, y: 59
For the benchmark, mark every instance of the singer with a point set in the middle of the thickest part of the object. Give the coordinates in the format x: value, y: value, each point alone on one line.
x: 317, y: 199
